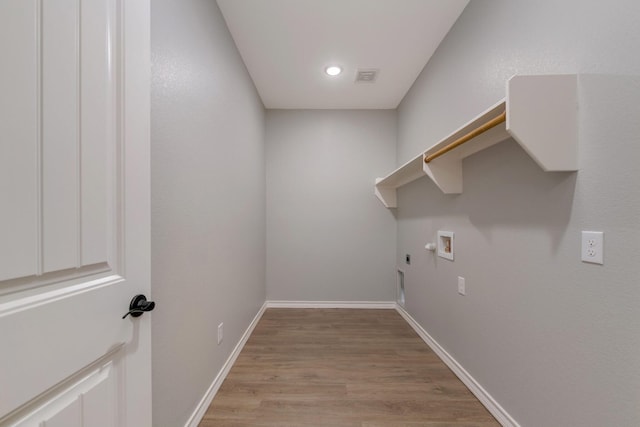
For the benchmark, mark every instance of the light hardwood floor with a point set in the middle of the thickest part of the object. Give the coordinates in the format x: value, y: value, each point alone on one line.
x: 339, y: 367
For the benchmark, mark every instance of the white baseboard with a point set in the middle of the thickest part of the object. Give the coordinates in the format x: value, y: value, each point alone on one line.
x: 204, y: 403
x: 483, y: 396
x: 332, y: 304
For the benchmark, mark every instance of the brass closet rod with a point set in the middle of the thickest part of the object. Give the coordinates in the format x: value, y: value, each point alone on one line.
x: 477, y: 131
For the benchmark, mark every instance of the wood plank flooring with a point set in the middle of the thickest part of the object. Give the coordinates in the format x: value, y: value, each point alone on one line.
x: 340, y: 367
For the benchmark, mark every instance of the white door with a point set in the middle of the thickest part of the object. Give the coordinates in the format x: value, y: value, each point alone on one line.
x: 74, y: 212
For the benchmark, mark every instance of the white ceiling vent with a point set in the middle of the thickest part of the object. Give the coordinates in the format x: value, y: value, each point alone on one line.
x: 366, y: 75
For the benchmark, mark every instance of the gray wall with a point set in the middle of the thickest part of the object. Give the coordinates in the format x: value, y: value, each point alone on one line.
x: 328, y: 236
x: 208, y: 202
x: 553, y: 340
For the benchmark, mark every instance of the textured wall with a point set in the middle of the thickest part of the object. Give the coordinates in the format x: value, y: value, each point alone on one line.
x: 328, y: 236
x: 553, y: 340
x: 208, y: 198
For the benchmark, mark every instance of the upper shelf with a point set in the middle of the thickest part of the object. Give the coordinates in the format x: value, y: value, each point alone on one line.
x: 541, y: 115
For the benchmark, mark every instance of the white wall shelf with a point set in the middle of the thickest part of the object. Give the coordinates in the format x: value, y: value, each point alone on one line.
x: 541, y: 115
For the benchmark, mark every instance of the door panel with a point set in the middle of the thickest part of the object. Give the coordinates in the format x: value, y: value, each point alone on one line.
x: 88, y: 402
x: 69, y: 416
x: 60, y: 111
x: 79, y: 329
x: 97, y: 97
x: 59, y: 135
x: 60, y: 140
x: 18, y: 109
x: 74, y: 183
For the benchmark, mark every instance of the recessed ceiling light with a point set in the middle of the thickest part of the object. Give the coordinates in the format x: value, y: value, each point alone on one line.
x: 333, y: 70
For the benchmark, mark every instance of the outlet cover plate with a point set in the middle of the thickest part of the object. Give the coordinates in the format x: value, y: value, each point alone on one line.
x: 220, y: 332
x: 593, y: 247
x: 462, y: 290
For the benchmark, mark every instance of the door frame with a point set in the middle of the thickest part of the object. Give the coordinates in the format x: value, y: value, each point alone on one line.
x: 136, y: 17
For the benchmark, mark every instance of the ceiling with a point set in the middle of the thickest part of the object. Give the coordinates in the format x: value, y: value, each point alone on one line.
x: 287, y: 44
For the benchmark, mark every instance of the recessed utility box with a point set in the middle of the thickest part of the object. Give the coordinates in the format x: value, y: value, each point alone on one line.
x: 445, y: 245
x: 400, y: 288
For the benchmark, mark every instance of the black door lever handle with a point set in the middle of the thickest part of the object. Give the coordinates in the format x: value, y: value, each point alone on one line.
x: 139, y: 305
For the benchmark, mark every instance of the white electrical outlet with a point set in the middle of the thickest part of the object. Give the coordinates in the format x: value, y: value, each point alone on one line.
x: 220, y: 332
x: 461, y: 286
x: 593, y: 247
